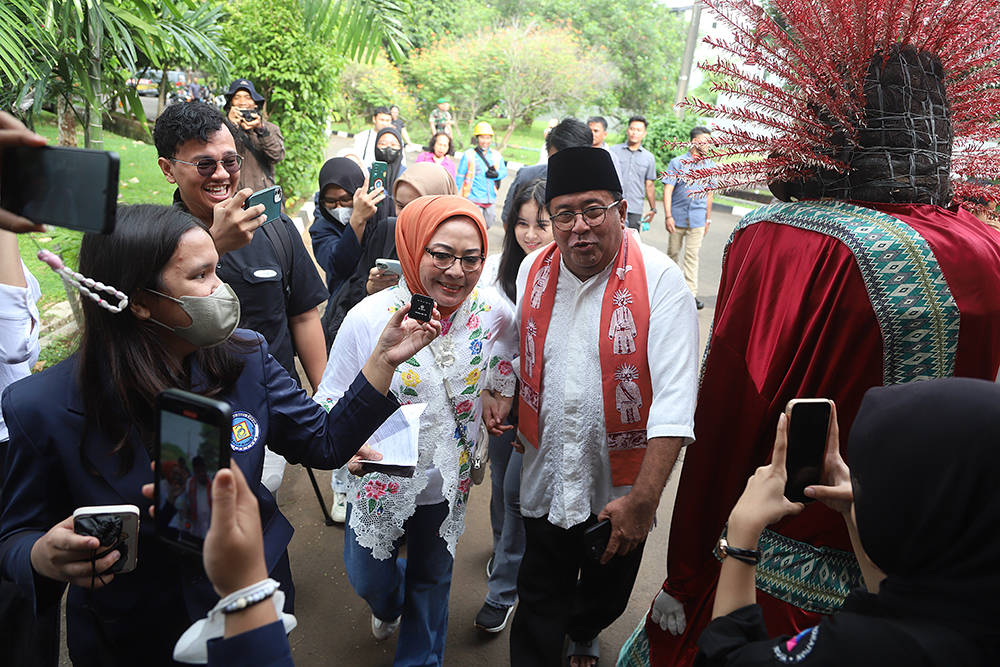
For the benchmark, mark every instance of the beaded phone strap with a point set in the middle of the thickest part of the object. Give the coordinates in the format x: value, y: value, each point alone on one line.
x: 87, y: 286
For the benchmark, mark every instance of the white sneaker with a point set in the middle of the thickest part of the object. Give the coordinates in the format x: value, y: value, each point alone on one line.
x: 383, y: 629
x: 338, y: 512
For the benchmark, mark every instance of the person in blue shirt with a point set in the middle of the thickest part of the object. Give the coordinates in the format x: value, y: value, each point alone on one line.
x: 480, y: 172
x: 688, y: 211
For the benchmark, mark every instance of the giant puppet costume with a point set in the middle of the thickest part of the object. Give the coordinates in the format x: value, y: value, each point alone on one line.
x: 862, y: 276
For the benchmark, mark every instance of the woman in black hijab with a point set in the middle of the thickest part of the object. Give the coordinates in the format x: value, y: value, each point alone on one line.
x: 389, y: 149
x: 921, y: 496
x: 343, y: 204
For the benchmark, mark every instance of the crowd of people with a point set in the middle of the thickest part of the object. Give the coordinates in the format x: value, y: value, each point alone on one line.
x: 863, y: 282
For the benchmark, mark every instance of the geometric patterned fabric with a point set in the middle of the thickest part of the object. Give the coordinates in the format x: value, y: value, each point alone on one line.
x: 816, y: 579
x: 907, y: 289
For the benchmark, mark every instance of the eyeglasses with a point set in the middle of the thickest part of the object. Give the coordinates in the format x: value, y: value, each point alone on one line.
x: 206, y: 167
x: 593, y: 216
x: 343, y: 202
x: 445, y: 260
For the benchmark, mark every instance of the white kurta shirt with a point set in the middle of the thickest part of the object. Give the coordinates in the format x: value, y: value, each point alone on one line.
x: 568, y: 477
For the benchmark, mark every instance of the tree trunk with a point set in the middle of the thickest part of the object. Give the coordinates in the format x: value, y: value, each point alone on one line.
x: 162, y: 104
x: 506, y: 135
x: 66, y: 121
x: 94, y: 132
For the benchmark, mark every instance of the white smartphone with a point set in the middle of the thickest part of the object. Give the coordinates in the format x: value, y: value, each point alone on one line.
x: 117, y: 527
x: 389, y: 266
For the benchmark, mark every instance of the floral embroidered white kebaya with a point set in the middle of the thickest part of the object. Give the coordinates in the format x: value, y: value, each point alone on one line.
x: 474, y: 352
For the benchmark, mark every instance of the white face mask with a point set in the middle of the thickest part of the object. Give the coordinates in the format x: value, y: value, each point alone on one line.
x: 213, y: 317
x: 342, y: 214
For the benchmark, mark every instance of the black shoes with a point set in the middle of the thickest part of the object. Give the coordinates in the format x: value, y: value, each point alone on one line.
x: 493, y: 619
x: 699, y: 304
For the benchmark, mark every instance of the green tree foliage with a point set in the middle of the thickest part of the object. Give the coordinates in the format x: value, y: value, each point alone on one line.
x: 540, y: 66
x: 86, y: 49
x: 527, y: 67
x: 643, y: 39
x: 362, y: 87
x: 357, y: 29
x: 664, y: 135
x: 447, y: 19
x: 458, y: 69
x: 295, y: 74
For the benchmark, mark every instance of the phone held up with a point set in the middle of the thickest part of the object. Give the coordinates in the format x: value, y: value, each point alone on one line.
x: 67, y: 187
x: 193, y: 443
x: 389, y: 266
x: 377, y: 174
x: 271, y: 198
x: 808, y: 429
x: 117, y: 528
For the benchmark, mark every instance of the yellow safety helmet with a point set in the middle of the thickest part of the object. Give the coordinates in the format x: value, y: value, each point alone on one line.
x: 483, y: 128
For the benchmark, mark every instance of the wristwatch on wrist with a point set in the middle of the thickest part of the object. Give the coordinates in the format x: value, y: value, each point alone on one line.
x: 748, y: 556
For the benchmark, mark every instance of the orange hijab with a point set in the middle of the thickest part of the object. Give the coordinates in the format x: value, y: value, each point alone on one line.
x: 417, y: 224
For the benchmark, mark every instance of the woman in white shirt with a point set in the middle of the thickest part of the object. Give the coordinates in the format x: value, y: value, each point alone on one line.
x: 441, y: 241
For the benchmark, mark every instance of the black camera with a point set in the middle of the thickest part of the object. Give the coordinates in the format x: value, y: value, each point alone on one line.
x: 492, y: 172
x: 248, y: 114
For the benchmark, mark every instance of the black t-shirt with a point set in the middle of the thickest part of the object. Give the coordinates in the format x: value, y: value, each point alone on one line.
x: 255, y: 274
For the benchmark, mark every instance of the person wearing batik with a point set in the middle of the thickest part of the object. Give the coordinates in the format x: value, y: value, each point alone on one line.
x: 441, y: 242
x: 922, y: 519
x: 606, y: 404
x: 866, y: 272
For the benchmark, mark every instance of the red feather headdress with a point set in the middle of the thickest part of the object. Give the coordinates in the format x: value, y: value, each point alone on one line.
x: 820, y: 51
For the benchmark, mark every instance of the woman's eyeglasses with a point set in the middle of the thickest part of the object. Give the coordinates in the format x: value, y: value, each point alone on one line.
x: 206, y: 167
x: 445, y: 260
x: 593, y: 216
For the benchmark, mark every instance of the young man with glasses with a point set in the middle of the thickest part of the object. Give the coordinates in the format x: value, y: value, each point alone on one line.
x: 606, y: 404
x: 268, y: 267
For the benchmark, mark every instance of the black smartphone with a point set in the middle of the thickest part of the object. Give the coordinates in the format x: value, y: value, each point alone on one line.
x: 271, y: 198
x: 194, y: 434
x: 421, y: 307
x: 808, y: 429
x: 596, y: 538
x: 67, y: 187
x: 376, y: 175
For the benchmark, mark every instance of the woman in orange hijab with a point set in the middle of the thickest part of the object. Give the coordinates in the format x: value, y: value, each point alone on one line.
x: 441, y: 241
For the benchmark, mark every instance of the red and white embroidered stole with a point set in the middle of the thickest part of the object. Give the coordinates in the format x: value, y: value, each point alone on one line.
x: 625, y: 380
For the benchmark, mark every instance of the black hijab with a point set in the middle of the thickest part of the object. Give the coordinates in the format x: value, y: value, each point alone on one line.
x: 396, y: 166
x: 343, y: 173
x: 925, y: 459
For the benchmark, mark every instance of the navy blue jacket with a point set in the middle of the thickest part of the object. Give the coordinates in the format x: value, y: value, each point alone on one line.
x: 46, y: 480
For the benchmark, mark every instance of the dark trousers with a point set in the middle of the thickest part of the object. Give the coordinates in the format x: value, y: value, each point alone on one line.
x: 634, y: 221
x: 563, y: 592
x: 25, y: 639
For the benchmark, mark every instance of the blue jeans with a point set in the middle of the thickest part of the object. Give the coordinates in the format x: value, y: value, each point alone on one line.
x: 505, y: 517
x: 417, y: 587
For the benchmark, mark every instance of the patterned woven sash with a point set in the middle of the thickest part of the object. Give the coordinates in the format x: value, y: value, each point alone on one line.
x: 914, y: 306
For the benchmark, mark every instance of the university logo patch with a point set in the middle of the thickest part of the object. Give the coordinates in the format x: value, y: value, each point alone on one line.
x: 246, y: 432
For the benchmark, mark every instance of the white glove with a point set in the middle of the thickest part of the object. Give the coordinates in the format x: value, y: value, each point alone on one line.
x: 668, y: 613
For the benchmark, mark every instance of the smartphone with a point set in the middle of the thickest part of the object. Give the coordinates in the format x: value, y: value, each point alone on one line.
x: 194, y: 436
x: 808, y: 429
x: 421, y: 307
x: 596, y: 538
x: 390, y: 266
x: 271, y: 198
x: 67, y: 187
x: 117, y: 527
x: 376, y: 175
